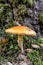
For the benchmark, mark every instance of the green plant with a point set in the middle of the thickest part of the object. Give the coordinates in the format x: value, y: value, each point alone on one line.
x: 35, y: 58
x: 28, y: 1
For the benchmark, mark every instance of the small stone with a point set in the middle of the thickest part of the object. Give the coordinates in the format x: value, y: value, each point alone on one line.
x: 9, y: 63
x: 29, y: 50
x: 21, y: 56
x: 23, y: 63
x: 35, y: 46
x: 37, y: 5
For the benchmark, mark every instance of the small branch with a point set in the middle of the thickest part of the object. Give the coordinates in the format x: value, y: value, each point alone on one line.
x: 16, y: 23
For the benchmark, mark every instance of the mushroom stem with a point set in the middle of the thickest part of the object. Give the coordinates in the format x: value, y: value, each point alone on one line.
x: 20, y: 42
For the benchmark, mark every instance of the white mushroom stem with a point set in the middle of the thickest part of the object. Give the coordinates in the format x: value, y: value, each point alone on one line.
x: 20, y: 42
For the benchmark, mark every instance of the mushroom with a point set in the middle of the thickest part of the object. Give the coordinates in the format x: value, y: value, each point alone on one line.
x: 21, y: 31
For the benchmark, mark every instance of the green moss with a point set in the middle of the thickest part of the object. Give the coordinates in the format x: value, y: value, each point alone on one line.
x: 21, y: 9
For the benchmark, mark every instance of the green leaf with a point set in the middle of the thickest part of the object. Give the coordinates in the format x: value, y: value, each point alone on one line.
x: 41, y: 17
x: 11, y: 46
x: 30, y: 2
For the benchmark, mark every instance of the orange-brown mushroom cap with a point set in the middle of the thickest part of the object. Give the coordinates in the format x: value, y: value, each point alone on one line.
x: 20, y: 30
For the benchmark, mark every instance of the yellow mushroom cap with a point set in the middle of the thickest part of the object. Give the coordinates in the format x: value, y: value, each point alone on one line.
x: 21, y: 30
